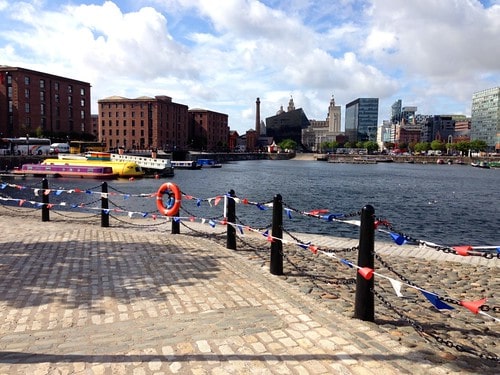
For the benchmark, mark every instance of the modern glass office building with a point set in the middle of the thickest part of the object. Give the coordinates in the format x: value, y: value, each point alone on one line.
x: 485, y: 118
x: 361, y: 118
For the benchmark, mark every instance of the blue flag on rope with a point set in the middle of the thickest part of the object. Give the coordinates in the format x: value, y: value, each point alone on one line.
x: 346, y: 262
x: 434, y: 299
x: 305, y: 246
x: 198, y: 202
x: 398, y: 238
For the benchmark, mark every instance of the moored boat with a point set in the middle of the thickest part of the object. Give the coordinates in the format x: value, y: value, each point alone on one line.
x: 185, y: 164
x: 208, y: 163
x: 78, y: 171
x: 481, y: 164
x: 151, y: 166
x: 98, y: 159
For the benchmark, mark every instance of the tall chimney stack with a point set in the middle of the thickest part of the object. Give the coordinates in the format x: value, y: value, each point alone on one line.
x: 257, y: 117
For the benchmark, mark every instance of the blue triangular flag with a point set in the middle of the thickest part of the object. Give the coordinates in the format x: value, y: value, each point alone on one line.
x: 434, y: 299
x: 288, y: 212
x: 198, y: 202
x: 346, y: 262
x: 398, y: 238
x: 212, y: 223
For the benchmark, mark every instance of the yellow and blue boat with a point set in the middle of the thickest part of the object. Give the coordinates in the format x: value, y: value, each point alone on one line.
x: 98, y: 159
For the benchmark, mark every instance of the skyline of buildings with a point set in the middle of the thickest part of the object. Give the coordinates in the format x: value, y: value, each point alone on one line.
x: 31, y: 101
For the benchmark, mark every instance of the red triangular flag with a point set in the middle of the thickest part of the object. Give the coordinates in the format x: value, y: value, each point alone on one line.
x: 473, y: 305
x: 366, y: 272
x: 462, y: 250
x: 313, y: 249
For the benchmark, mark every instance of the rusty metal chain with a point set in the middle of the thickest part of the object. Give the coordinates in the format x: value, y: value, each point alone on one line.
x: 325, y: 250
x: 420, y: 329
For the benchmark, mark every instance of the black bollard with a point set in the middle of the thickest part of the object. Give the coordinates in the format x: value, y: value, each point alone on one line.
x: 364, y: 307
x: 231, y: 218
x: 176, y: 226
x: 104, y: 206
x: 276, y: 265
x: 45, y: 201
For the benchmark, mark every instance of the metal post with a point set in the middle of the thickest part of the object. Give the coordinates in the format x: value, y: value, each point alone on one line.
x: 231, y: 218
x: 45, y: 201
x: 176, y: 227
x: 364, y: 307
x: 104, y: 206
x: 276, y: 266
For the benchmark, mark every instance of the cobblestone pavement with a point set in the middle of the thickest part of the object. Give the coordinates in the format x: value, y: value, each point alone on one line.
x: 80, y: 299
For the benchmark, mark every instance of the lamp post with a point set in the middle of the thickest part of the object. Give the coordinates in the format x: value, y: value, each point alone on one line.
x: 27, y: 144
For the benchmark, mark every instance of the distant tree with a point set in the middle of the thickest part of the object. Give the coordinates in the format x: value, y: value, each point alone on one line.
x: 359, y: 144
x: 288, y: 144
x: 348, y: 145
x: 422, y: 147
x: 371, y: 146
x: 411, y: 146
x: 437, y: 145
x: 478, y: 145
x: 463, y: 147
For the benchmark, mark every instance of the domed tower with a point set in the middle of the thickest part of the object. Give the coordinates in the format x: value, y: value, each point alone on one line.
x: 333, y: 117
x: 291, y: 105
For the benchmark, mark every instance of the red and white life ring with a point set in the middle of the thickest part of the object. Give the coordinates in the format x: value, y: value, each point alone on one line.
x: 174, y: 210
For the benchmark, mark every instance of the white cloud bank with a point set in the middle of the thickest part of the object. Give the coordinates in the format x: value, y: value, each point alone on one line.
x: 222, y: 54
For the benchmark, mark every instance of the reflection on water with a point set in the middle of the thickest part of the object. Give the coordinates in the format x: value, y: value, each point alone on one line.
x: 446, y: 204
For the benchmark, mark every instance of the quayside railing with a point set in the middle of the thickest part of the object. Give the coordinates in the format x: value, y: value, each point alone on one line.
x: 106, y: 202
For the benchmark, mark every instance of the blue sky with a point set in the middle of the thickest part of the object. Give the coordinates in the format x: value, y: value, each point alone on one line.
x: 223, y: 54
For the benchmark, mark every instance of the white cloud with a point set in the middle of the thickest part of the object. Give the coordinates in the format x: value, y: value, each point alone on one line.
x: 221, y: 54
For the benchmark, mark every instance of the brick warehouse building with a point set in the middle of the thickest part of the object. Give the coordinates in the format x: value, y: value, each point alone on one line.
x: 209, y: 131
x: 143, y: 123
x: 39, y: 103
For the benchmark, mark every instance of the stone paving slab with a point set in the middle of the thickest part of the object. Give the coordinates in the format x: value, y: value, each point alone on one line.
x: 80, y: 299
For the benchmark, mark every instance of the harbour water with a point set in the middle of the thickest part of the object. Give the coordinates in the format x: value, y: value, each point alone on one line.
x: 445, y: 204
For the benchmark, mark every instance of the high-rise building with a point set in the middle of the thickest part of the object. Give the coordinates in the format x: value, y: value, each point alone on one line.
x: 34, y: 102
x: 361, y: 118
x: 485, y: 118
x: 143, y: 123
x: 396, y: 111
